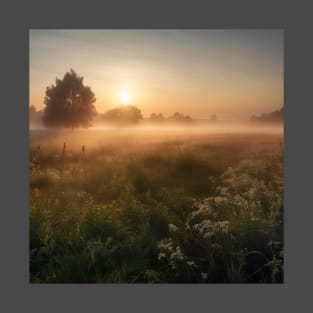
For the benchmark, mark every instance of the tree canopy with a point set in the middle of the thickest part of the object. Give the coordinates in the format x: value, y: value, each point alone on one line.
x: 69, y: 103
x: 123, y: 115
x: 272, y: 117
x: 178, y: 117
x: 158, y: 118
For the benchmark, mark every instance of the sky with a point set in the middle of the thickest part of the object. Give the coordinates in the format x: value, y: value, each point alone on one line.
x: 230, y: 73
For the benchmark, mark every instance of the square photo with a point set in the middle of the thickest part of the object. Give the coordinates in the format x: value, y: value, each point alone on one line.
x: 156, y: 156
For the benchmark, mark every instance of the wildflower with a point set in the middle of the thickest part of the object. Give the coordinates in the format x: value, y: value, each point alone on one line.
x: 224, y: 191
x: 172, y: 227
x: 191, y: 263
x: 53, y: 174
x: 204, y: 227
x: 223, y: 226
x: 208, y: 235
x: 204, y: 276
x: 254, y: 219
x: 166, y: 244
x: 161, y: 255
x: 273, y: 243
x: 172, y: 265
x: 177, y: 254
x: 216, y: 246
x: 251, y: 193
x: 219, y: 200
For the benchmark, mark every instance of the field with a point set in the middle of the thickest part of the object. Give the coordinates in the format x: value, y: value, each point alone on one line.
x: 155, y: 206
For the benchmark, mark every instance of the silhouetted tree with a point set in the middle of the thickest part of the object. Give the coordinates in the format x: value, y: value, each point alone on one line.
x: 157, y: 117
x: 123, y: 115
x: 180, y: 118
x: 270, y: 118
x: 69, y: 103
x: 32, y: 110
x: 35, y: 117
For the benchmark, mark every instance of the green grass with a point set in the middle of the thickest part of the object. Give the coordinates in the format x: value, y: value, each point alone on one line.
x: 199, y: 209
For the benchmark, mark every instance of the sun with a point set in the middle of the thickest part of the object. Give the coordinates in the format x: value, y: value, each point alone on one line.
x: 125, y: 96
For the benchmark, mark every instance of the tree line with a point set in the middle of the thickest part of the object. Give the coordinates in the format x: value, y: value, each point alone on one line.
x: 70, y: 104
x: 274, y: 117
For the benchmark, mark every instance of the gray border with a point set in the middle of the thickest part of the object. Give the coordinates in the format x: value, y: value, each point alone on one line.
x: 18, y: 18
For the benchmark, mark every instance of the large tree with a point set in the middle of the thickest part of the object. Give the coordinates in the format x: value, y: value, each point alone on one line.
x: 69, y: 103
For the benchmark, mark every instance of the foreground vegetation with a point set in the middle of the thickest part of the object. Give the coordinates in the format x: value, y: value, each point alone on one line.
x: 156, y: 209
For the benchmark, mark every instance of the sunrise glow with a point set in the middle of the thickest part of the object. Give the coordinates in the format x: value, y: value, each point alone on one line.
x: 159, y: 156
x: 125, y: 96
x: 230, y: 73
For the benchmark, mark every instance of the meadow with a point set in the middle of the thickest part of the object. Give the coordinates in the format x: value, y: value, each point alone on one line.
x: 155, y: 206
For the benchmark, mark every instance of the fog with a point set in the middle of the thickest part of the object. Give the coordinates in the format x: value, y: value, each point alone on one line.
x: 210, y: 128
x: 214, y: 128
x: 143, y: 137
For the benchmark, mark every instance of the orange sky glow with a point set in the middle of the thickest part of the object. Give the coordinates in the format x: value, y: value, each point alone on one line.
x: 231, y: 73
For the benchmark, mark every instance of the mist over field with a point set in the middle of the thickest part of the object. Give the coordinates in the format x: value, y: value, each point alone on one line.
x: 161, y: 160
x: 155, y: 204
x: 162, y: 130
x: 145, y: 134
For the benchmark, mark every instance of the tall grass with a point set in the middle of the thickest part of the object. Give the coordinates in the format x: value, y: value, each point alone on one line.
x: 196, y: 212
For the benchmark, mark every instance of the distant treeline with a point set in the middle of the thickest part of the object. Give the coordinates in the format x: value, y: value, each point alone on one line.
x: 35, y: 117
x: 70, y: 104
x: 175, y: 118
x: 274, y: 117
x: 128, y: 115
x: 124, y: 115
x: 132, y: 115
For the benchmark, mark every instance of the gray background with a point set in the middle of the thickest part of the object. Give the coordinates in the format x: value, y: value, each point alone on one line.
x: 17, y: 18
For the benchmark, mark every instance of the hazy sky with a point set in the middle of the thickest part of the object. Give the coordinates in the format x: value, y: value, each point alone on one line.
x: 231, y: 73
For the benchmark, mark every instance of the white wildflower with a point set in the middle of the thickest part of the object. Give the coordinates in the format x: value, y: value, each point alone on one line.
x: 204, y: 276
x: 216, y: 246
x: 161, y: 255
x: 172, y: 227
x: 177, y: 254
x: 208, y: 235
x: 166, y: 244
x: 219, y: 200
x: 191, y: 263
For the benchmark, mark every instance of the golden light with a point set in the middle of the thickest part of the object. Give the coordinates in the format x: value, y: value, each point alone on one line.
x: 125, y: 96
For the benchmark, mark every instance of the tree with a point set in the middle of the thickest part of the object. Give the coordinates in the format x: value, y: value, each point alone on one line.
x: 178, y: 117
x: 275, y: 117
x: 32, y: 110
x: 123, y: 115
x: 69, y: 103
x: 158, y: 118
x: 35, y: 117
